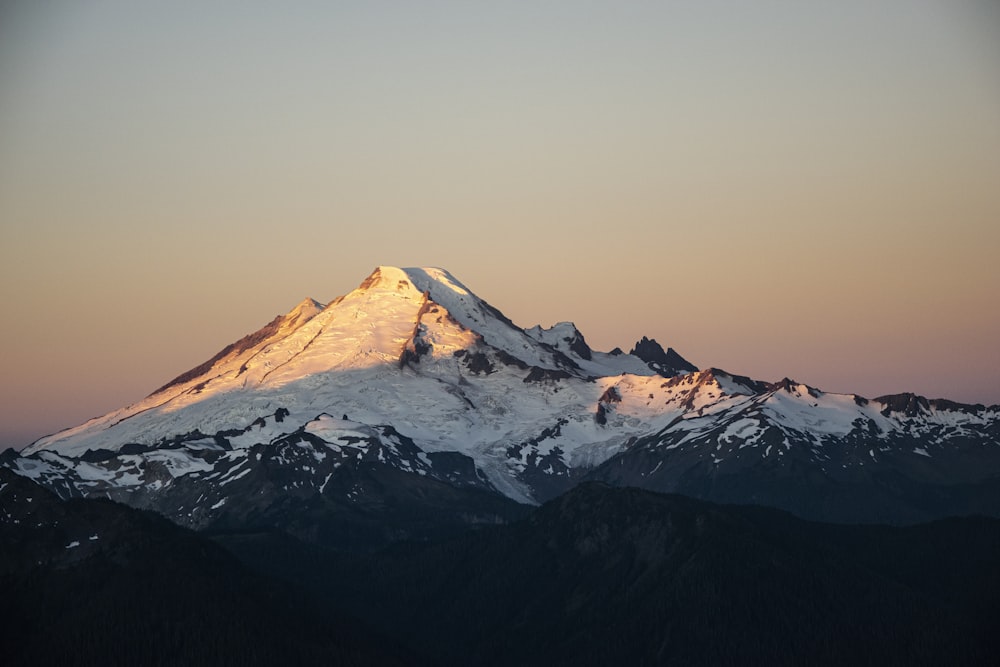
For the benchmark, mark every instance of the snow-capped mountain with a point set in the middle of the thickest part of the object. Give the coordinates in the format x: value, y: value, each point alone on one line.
x: 412, y: 376
x: 834, y: 457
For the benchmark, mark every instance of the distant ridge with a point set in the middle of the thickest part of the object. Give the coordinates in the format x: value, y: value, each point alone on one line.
x: 411, y: 407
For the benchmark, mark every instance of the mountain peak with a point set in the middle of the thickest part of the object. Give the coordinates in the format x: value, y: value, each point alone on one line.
x: 387, y: 278
x: 304, y: 311
x: 790, y: 386
x: 563, y: 336
x: 907, y: 404
x: 436, y: 383
x: 667, y: 363
x: 278, y: 328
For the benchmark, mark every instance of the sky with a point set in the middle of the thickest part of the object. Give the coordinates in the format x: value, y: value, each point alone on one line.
x: 774, y: 188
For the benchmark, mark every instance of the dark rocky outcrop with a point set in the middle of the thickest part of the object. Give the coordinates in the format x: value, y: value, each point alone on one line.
x: 914, y: 405
x: 601, y: 416
x: 414, y: 351
x: 789, y: 385
x: 610, y: 395
x: 907, y: 404
x: 544, y: 468
x: 478, y: 363
x: 667, y: 363
x: 510, y: 360
x: 546, y: 375
x: 578, y: 344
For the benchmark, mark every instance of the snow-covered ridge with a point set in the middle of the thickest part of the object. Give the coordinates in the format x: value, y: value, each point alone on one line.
x: 416, y: 350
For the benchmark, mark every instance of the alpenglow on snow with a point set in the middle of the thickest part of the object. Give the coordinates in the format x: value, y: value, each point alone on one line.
x: 413, y: 372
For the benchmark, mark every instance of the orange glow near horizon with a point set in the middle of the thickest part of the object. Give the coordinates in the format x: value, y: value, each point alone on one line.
x: 804, y: 191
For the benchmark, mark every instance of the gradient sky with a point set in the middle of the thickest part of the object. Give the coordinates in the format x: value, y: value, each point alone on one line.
x: 774, y: 188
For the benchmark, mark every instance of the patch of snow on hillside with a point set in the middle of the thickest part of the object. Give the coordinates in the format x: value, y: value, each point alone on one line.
x: 332, y: 429
x: 833, y: 414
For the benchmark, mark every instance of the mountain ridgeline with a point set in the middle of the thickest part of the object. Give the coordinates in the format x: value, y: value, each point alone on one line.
x: 405, y: 476
x: 600, y: 575
x: 410, y: 408
x: 93, y: 582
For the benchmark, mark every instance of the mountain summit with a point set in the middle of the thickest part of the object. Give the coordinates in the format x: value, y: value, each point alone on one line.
x: 411, y: 391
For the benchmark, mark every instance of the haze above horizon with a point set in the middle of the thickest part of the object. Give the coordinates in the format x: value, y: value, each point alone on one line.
x: 771, y: 188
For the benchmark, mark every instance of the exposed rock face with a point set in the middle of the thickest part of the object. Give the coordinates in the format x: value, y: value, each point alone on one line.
x: 358, y: 489
x: 477, y: 363
x: 578, y: 344
x: 448, y: 399
x: 601, y: 416
x: 909, y: 405
x: 667, y: 364
x: 610, y: 395
x: 546, y: 375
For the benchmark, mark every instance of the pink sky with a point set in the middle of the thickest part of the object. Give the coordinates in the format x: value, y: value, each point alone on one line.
x: 810, y: 191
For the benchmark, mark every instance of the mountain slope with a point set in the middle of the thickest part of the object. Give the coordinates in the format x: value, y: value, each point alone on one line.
x: 622, y: 576
x: 91, y: 582
x: 413, y: 373
x: 894, y: 459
